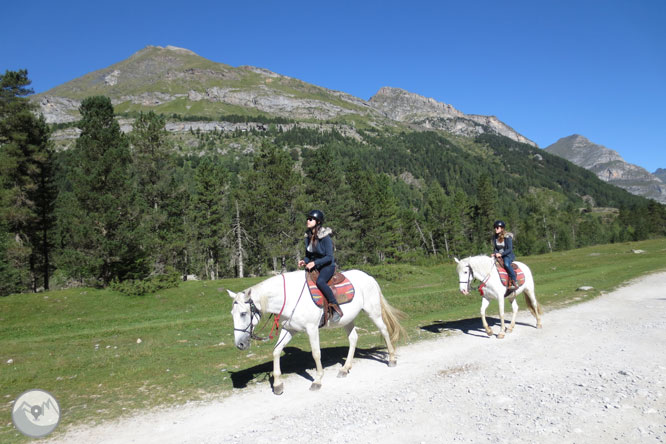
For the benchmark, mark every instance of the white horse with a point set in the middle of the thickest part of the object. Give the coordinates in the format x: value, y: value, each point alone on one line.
x: 483, y: 268
x: 287, y: 295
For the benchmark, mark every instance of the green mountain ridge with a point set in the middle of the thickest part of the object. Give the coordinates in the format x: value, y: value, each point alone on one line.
x: 177, y: 81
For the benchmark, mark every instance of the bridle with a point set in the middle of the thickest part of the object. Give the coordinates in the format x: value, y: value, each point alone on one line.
x: 254, y: 311
x: 470, y: 277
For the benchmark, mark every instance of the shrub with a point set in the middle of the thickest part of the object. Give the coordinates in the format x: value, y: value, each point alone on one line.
x: 140, y: 287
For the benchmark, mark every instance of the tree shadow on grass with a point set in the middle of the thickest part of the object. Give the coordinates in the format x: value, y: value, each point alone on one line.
x: 297, y: 361
x: 470, y: 326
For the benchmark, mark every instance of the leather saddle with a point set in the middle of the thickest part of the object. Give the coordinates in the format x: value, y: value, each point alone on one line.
x: 343, y: 290
x: 504, y: 275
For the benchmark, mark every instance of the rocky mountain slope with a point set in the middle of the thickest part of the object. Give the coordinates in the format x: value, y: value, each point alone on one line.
x: 660, y: 173
x: 177, y: 81
x: 403, y: 106
x: 609, y: 166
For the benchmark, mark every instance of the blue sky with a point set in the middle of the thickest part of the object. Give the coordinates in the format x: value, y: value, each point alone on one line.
x: 549, y: 69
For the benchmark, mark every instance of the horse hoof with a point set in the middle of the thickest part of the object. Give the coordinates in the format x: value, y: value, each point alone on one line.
x: 393, y: 363
x: 343, y: 373
x: 509, y: 330
x: 500, y: 336
x: 315, y: 386
x: 489, y: 333
x: 539, y: 326
x: 278, y: 389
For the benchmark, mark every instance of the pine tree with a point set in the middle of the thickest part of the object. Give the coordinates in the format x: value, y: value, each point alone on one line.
x: 486, y: 202
x: 160, y: 195
x: 210, y: 218
x: 102, y: 218
x: 269, y: 199
x: 27, y: 190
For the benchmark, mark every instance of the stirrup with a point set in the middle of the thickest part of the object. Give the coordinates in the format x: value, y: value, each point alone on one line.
x: 336, y: 313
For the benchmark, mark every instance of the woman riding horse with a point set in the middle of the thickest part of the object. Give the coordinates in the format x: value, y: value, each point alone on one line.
x: 319, y: 256
x: 503, y: 250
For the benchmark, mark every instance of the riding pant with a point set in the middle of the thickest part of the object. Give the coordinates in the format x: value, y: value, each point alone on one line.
x: 509, y: 268
x: 325, y: 274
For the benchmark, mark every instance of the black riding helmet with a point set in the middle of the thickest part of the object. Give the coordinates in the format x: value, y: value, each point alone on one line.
x: 499, y: 223
x: 317, y: 215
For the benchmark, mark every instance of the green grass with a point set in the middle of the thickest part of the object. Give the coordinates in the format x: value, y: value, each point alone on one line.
x: 81, y: 344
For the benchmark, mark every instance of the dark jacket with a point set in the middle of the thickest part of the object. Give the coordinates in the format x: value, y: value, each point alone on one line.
x: 507, y: 251
x: 322, y: 253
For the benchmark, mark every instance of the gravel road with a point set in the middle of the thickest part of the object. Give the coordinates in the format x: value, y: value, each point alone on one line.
x: 596, y: 373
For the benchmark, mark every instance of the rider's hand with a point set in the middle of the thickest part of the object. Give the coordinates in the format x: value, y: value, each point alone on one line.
x: 301, y: 263
x: 310, y: 265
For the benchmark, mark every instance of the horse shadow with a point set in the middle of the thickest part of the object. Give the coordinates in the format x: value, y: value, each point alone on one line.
x: 469, y: 326
x: 297, y: 361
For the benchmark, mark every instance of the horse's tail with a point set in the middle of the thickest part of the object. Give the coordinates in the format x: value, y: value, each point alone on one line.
x: 534, y: 306
x: 391, y: 317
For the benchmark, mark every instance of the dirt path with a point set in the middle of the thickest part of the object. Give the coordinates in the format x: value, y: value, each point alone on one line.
x: 596, y: 373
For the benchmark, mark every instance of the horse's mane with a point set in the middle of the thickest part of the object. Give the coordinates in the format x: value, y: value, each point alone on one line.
x: 478, y: 260
x: 480, y: 263
x: 259, y: 290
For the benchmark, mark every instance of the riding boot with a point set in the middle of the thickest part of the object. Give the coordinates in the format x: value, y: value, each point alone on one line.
x: 337, y: 312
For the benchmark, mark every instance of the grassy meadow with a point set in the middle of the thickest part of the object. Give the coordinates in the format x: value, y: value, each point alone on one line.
x: 103, y: 354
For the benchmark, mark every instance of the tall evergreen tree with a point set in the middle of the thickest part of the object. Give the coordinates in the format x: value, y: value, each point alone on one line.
x: 486, y: 202
x: 375, y: 217
x: 27, y: 190
x: 102, y: 218
x: 160, y: 194
x: 269, y: 204
x: 210, y: 217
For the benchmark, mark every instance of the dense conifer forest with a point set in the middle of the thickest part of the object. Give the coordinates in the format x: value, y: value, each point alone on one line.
x: 137, y: 208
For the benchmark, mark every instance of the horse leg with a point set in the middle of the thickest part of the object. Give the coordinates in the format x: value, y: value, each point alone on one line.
x: 500, y: 301
x: 379, y: 322
x: 484, y: 305
x: 534, y: 305
x: 313, y: 334
x: 514, y: 308
x: 353, y: 339
x: 283, y: 340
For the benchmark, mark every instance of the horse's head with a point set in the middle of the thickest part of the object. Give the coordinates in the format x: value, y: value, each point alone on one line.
x: 246, y: 316
x: 465, y: 275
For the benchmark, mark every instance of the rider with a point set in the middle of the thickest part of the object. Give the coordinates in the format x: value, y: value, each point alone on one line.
x: 503, y: 249
x: 319, y: 255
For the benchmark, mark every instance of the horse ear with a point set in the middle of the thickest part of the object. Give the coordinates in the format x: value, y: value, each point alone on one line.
x: 457, y: 261
x: 232, y: 295
x: 247, y: 295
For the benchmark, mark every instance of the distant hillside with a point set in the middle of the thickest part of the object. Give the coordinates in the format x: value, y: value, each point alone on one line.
x: 609, y: 166
x: 404, y: 106
x: 176, y: 81
x: 660, y: 173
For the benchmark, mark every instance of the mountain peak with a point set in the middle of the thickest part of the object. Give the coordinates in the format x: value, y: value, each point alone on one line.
x: 149, y: 48
x: 609, y: 166
x: 581, y: 151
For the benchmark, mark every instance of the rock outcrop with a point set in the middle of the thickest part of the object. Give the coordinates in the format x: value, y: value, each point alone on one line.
x: 408, y: 107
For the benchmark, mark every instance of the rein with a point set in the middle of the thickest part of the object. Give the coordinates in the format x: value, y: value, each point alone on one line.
x: 276, y: 318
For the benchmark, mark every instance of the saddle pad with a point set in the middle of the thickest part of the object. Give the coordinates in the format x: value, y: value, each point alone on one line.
x: 343, y: 291
x: 504, y: 276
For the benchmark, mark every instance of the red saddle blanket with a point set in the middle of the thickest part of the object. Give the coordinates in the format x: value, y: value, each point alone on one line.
x: 341, y: 286
x: 504, y: 276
